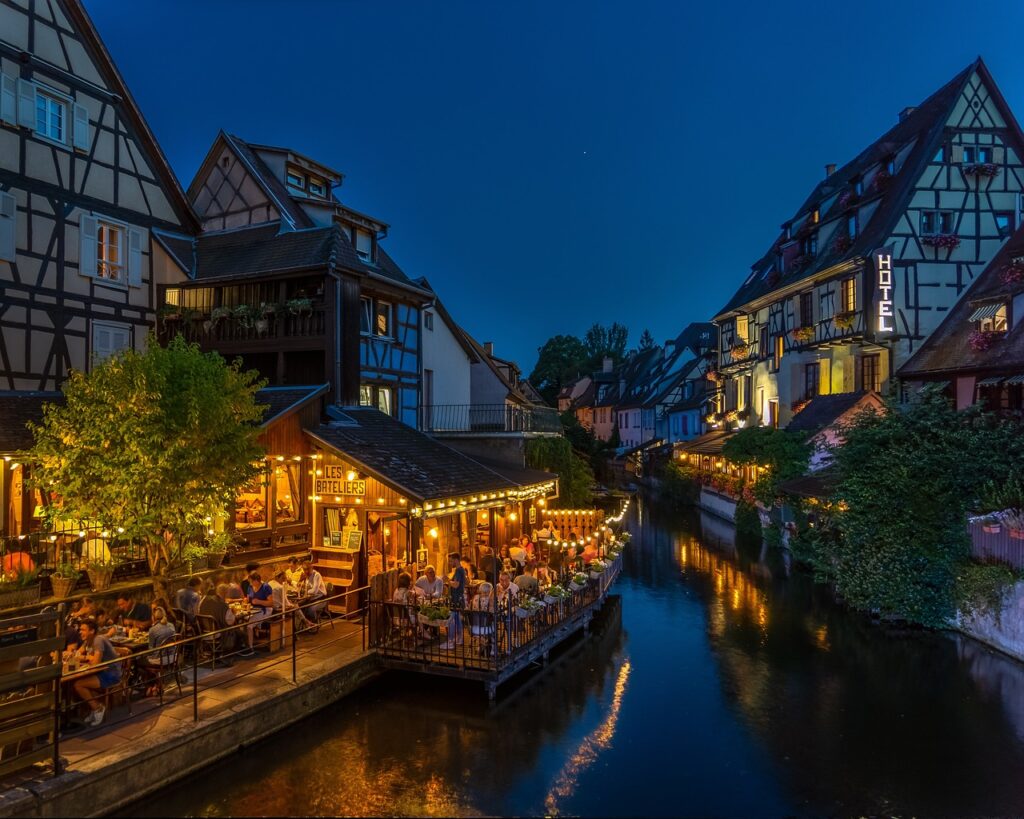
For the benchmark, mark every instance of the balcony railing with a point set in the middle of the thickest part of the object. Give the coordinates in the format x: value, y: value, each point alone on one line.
x: 490, y: 418
x: 229, y: 329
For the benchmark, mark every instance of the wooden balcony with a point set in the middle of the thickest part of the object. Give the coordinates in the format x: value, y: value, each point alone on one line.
x: 283, y: 331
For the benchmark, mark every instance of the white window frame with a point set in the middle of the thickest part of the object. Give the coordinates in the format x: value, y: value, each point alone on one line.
x: 65, y: 102
x: 103, y: 224
x: 366, y: 256
x: 106, y: 325
x: 366, y: 312
x: 999, y: 323
x: 428, y: 320
x: 300, y: 185
x: 311, y: 183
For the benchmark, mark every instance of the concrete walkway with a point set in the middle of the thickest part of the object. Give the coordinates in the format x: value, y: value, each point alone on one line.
x: 129, y: 756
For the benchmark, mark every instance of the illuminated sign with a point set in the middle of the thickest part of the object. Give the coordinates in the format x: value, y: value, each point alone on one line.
x: 884, y: 318
x: 334, y: 482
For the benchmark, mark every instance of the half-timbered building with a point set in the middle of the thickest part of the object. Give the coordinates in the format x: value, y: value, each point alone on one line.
x: 876, y: 256
x: 296, y: 283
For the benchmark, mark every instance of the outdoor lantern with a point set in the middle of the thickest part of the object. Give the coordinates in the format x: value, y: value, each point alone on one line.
x: 433, y: 533
x: 350, y: 475
x: 512, y: 516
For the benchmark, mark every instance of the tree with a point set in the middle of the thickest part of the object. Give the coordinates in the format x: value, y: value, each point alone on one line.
x: 575, y: 477
x: 603, y: 341
x: 155, y: 443
x: 560, y: 361
x: 784, y: 453
x: 646, y: 340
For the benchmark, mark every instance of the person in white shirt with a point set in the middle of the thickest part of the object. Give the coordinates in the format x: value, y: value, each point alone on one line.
x: 294, y: 572
x: 313, y: 588
x: 429, y: 584
x: 507, y: 591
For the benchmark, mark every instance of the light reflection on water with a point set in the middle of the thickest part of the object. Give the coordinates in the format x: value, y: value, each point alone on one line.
x: 722, y: 683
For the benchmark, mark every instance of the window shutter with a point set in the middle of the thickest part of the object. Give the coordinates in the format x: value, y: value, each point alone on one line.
x: 134, y: 257
x: 958, y: 153
x: 101, y: 346
x: 8, y: 226
x: 119, y: 339
x: 998, y: 154
x: 8, y: 99
x: 26, y: 104
x: 80, y: 133
x: 87, y: 245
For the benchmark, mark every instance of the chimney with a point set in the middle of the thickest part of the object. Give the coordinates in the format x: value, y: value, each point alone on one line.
x: 606, y: 364
x: 830, y: 169
x: 489, y: 348
x: 906, y: 112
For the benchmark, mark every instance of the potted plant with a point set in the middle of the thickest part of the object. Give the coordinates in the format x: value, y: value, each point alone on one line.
x: 991, y: 524
x: 556, y: 595
x: 101, y: 573
x: 216, y: 548
x: 299, y: 306
x: 245, y: 316
x: 267, y: 311
x: 578, y: 581
x: 193, y: 555
x: 947, y: 241
x: 804, y: 335
x: 433, y: 615
x: 740, y: 351
x: 844, y: 321
x: 528, y: 607
x: 20, y: 587
x: 596, y: 568
x: 64, y: 579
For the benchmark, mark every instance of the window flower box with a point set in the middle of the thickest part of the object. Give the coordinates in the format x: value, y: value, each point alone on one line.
x: 578, y: 582
x: 947, y: 241
x: 712, y: 375
x: 740, y: 351
x: 980, y: 169
x: 982, y: 340
x: 528, y: 607
x: 844, y: 321
x: 804, y: 335
x: 1012, y: 273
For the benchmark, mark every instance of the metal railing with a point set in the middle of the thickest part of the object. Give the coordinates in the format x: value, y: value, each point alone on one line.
x: 174, y: 666
x: 205, y: 330
x: 480, y: 639
x: 490, y: 418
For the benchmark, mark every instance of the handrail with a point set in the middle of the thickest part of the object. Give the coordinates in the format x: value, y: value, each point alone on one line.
x: 490, y: 418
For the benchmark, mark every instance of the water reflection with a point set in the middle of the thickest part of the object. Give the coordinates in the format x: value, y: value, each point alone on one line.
x: 725, y: 683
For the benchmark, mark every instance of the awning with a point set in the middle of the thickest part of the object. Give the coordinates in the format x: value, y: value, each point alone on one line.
x: 990, y: 382
x: 986, y: 311
x: 710, y: 443
x: 1015, y: 379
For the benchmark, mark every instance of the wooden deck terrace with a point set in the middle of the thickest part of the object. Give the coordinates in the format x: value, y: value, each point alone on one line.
x: 496, y: 645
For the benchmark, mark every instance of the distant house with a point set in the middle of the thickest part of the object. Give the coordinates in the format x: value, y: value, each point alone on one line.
x: 448, y: 359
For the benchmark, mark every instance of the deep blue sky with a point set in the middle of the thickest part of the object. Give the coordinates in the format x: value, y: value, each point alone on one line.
x: 551, y: 164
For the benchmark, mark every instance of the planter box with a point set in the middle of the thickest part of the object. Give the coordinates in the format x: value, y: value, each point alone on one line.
x: 525, y: 614
x: 426, y: 621
x: 62, y: 586
x: 215, y: 559
x: 576, y: 586
x: 596, y: 575
x: 99, y: 579
x: 20, y: 597
x: 553, y: 601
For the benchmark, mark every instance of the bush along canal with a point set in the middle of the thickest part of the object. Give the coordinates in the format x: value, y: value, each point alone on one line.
x: 719, y: 681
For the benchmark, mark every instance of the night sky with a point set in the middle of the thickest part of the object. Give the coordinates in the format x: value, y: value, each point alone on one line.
x: 551, y: 164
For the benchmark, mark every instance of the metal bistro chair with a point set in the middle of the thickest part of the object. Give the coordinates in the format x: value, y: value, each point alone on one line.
x: 210, y: 645
x: 325, y: 611
x: 403, y: 623
x: 480, y: 625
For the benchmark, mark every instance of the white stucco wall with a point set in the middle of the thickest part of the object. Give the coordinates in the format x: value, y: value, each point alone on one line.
x: 449, y: 362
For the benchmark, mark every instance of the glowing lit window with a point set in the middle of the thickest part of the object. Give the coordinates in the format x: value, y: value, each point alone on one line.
x: 251, y: 504
x: 287, y: 494
x: 110, y: 251
x: 382, y: 319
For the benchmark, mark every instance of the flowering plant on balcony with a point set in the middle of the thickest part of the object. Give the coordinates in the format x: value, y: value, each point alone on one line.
x: 299, y: 306
x: 1012, y: 273
x: 841, y: 243
x: 949, y: 241
x: 845, y: 321
x: 712, y: 375
x: 804, y: 335
x: 881, y: 179
x: 740, y: 351
x: 982, y: 169
x: 732, y: 416
x: 981, y: 340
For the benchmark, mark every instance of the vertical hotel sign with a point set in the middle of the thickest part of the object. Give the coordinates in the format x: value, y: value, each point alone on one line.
x: 883, y: 314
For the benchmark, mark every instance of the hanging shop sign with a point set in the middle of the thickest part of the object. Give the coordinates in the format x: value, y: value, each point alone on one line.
x: 884, y: 316
x: 335, y: 482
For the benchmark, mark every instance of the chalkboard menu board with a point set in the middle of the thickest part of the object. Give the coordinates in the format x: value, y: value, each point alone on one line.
x: 354, y: 540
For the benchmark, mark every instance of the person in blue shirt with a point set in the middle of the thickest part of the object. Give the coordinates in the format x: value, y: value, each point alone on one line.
x: 457, y: 581
x: 261, y: 597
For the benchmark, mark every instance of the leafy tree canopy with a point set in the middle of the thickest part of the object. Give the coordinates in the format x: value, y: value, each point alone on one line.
x: 784, y: 453
x: 646, y: 340
x: 610, y: 341
x: 155, y: 442
x: 560, y: 361
x: 575, y: 476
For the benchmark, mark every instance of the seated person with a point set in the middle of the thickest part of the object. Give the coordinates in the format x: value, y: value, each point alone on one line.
x: 89, y: 689
x: 544, y: 575
x: 526, y: 582
x: 279, y: 586
x: 430, y: 585
x: 85, y: 608
x: 215, y: 606
x: 527, y: 547
x: 249, y: 569
x: 313, y: 588
x: 490, y: 565
x: 484, y: 599
x: 294, y: 572
x: 152, y: 665
x: 132, y: 614
x: 261, y: 597
x: 403, y: 592
x: 589, y: 552
x: 187, y: 599
x: 518, y: 554
x: 507, y: 591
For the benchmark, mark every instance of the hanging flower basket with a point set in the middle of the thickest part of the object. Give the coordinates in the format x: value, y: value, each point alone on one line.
x: 947, y: 241
x: 844, y: 321
x: 804, y: 335
x: 63, y: 586
x: 1012, y: 273
x: 740, y: 351
x: 100, y: 578
x: 982, y: 340
x: 979, y: 169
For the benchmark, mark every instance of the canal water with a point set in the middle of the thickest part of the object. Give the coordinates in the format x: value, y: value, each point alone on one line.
x: 719, y: 682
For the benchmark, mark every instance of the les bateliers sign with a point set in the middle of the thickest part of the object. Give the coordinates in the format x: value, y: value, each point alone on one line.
x: 333, y: 482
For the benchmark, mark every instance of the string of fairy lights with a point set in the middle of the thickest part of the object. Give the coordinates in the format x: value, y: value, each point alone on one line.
x: 604, y: 527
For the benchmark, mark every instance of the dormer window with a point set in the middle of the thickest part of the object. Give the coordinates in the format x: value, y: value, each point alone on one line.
x: 858, y: 186
x: 851, y: 225
x: 296, y: 181
x: 815, y: 216
x: 317, y: 187
x: 364, y: 245
x: 992, y: 318
x: 890, y: 166
x: 809, y: 246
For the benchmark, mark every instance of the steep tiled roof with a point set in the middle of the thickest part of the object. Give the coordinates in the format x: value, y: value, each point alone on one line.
x: 947, y: 349
x: 824, y: 410
x: 521, y: 475
x: 922, y: 128
x: 281, y: 401
x: 182, y: 249
x: 264, y: 249
x: 402, y: 457
x: 292, y: 213
x: 17, y: 409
